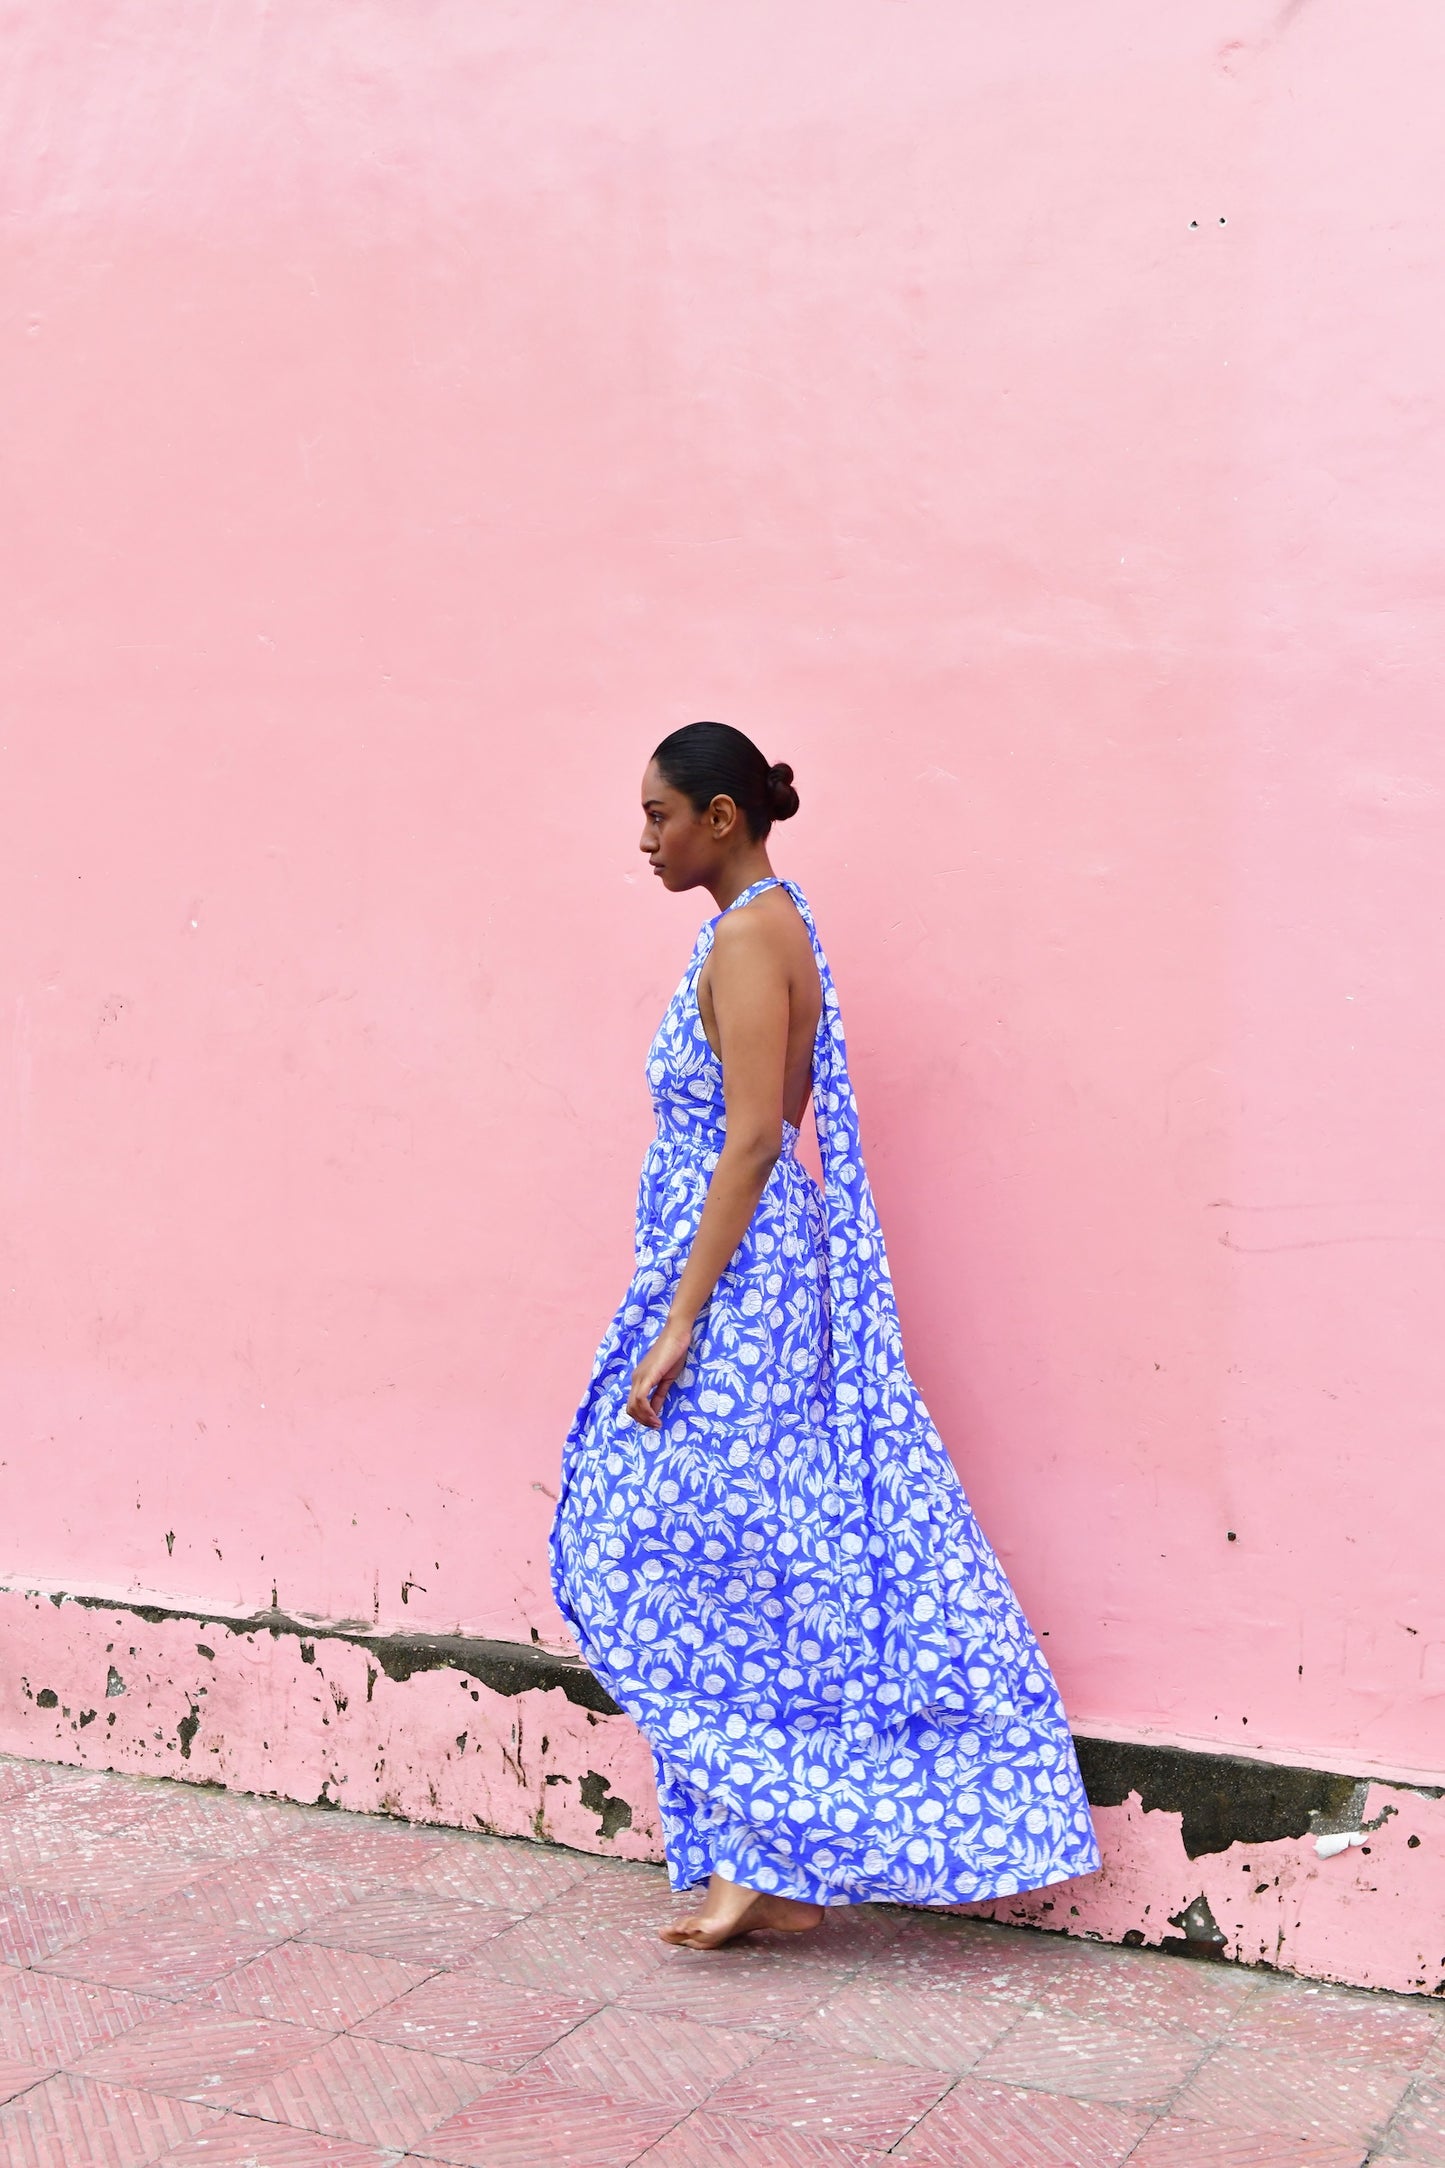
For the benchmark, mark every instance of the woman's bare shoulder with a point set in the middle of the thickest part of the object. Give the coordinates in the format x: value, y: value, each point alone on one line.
x: 768, y: 928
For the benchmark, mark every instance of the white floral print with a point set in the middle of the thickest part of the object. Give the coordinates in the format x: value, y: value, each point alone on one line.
x: 785, y: 1587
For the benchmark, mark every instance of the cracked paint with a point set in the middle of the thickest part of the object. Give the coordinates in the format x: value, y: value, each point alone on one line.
x: 458, y: 1732
x: 1206, y: 1855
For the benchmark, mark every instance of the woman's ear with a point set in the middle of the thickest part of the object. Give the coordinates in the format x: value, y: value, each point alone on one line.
x: 723, y: 815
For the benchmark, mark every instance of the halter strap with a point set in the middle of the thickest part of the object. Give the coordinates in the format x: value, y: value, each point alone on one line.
x: 758, y: 888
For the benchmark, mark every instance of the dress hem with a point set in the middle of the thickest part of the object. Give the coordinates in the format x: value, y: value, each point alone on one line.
x: 832, y: 1898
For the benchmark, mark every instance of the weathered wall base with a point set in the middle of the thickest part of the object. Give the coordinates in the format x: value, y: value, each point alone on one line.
x: 1325, y: 1875
x: 474, y: 1734
x: 1313, y: 1872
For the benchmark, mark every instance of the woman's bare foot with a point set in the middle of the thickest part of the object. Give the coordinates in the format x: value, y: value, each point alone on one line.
x: 731, y: 1909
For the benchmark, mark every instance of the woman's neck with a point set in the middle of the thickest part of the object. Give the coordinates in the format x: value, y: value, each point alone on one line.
x: 740, y: 876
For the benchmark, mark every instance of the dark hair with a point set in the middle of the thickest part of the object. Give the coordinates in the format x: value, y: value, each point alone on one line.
x: 709, y: 760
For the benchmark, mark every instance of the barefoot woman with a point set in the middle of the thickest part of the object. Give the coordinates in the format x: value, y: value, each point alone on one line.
x: 761, y: 1545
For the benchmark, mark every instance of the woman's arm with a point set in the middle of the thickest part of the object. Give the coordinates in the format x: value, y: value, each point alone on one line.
x: 749, y: 986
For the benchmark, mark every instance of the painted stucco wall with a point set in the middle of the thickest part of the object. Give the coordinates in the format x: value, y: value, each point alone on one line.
x: 1025, y: 422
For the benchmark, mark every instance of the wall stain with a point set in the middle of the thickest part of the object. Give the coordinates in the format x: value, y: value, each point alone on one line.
x: 506, y: 1667
x: 1224, y: 1799
x: 613, y: 1813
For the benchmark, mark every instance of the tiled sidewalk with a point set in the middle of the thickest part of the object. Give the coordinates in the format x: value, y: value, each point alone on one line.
x: 193, y: 1978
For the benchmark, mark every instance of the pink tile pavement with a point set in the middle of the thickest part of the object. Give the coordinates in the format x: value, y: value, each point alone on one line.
x: 1418, y: 2131
x: 191, y: 1979
x: 985, y: 2126
x: 368, y: 2091
x: 427, y: 1931
x: 17, y: 2076
x: 668, y: 2059
x: 65, y: 2019
x: 1144, y: 2065
x: 481, y: 2019
x: 868, y: 2102
x: 192, y: 2054
x: 1180, y: 2143
x: 1300, y: 2096
x: 240, y: 2141
x: 71, y: 2122
x: 940, y: 2026
x: 706, y: 2140
x: 310, y: 1984
x: 530, y: 2122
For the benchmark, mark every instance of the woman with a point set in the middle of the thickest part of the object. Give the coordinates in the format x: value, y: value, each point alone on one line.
x: 760, y: 1544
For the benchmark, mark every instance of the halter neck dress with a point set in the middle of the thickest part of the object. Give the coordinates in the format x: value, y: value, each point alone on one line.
x: 785, y: 1586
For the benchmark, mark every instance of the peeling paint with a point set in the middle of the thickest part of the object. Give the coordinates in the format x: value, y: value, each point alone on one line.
x: 507, y: 1667
x: 366, y: 1723
x: 613, y: 1814
x: 1221, y: 1799
x: 1207, y: 1855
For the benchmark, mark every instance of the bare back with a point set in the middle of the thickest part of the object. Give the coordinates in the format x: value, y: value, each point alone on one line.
x: 774, y: 917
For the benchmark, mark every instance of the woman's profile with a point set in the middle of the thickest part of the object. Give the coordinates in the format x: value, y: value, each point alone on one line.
x: 760, y: 1544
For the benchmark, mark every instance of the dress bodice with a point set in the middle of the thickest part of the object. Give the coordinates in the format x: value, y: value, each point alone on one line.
x: 684, y: 1075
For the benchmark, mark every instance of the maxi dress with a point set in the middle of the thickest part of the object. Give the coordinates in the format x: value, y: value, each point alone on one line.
x: 785, y: 1586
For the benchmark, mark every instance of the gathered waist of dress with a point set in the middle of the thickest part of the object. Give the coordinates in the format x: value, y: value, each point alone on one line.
x: 706, y: 1140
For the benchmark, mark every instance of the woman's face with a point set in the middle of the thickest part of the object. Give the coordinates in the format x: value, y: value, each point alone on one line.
x: 682, y: 845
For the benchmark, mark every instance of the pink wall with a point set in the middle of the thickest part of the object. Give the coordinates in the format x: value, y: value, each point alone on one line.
x: 1027, y: 423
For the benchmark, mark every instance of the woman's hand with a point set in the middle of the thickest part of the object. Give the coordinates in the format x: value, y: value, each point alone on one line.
x: 657, y: 1372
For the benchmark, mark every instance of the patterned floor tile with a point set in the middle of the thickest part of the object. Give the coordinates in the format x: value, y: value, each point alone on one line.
x: 1025, y: 1965
x: 994, y: 2126
x: 18, y: 1777
x: 479, y: 2018
x: 1296, y: 2019
x: 525, y: 2122
x: 362, y: 1844
x: 706, y: 2140
x: 941, y: 2027
x: 18, y: 2076
x: 308, y: 1983
x: 197, y: 2055
x: 32, y: 1854
x: 170, y: 1960
x: 282, y: 1899
x: 61, y: 2020
x: 832, y: 2096
x: 628, y: 1889
x: 634, y: 1911
x: 1418, y: 2131
x: 99, y: 1809
x: 1178, y: 2143
x: 510, y: 1875
x: 422, y: 1931
x: 725, y: 1989
x: 668, y: 2059
x: 576, y: 1956
x: 71, y: 2122
x: 853, y: 1934
x: 227, y: 1825
x: 122, y: 1874
x: 1061, y: 2053
x: 1298, y: 2096
x: 1151, y: 1989
x: 239, y: 2141
x: 368, y: 2091
x: 35, y: 1923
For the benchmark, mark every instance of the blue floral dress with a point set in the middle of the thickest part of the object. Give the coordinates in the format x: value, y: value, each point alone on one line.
x: 785, y: 1586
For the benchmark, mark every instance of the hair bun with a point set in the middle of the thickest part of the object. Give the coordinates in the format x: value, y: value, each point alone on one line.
x: 782, y: 797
